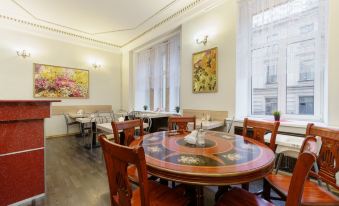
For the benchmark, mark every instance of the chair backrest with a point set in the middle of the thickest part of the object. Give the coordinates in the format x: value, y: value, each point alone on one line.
x: 67, y: 119
x: 147, y: 120
x: 181, y: 123
x: 128, y: 129
x: 302, y: 168
x: 109, y: 116
x: 328, y: 157
x: 260, y: 128
x: 117, y: 159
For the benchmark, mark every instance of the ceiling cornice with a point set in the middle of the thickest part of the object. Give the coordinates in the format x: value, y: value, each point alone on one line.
x: 105, y: 43
x: 95, y: 33
x: 177, y: 13
x: 55, y: 30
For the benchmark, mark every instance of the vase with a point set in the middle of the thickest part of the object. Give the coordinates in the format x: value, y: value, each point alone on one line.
x: 277, y: 118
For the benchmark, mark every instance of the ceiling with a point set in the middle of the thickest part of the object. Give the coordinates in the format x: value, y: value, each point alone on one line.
x: 112, y: 22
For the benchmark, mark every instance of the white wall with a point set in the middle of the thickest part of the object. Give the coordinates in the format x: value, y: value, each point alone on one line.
x: 220, y: 26
x: 16, y: 73
x: 333, y: 64
x: 221, y: 34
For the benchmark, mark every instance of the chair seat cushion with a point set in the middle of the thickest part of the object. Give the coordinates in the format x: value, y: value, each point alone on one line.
x: 240, y: 197
x: 160, y: 195
x: 313, y: 193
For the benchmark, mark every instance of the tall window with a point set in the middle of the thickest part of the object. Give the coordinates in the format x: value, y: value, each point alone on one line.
x: 157, y: 76
x: 284, y: 43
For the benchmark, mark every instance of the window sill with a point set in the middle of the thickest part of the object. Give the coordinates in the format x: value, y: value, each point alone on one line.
x: 287, y: 123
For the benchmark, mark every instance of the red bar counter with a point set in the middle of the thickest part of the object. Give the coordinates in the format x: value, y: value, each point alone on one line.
x: 22, y: 149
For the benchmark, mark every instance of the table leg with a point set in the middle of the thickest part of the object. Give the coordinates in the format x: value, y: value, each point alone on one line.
x: 199, y: 195
x: 221, y: 190
x: 94, y: 138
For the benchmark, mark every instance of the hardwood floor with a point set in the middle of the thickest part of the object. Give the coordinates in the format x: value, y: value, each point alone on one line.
x: 77, y: 177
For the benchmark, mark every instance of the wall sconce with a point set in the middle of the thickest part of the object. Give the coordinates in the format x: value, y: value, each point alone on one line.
x: 96, y: 66
x: 202, y: 40
x: 23, y: 54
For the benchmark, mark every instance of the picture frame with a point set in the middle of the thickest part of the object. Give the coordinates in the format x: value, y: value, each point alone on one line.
x: 60, y: 82
x: 205, y: 71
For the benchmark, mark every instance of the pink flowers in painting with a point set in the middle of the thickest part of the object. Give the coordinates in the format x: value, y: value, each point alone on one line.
x: 60, y: 82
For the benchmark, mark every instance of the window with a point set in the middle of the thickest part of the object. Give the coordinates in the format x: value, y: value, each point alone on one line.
x: 271, y: 74
x: 281, y: 58
x: 157, y: 76
x: 306, y: 70
x: 306, y: 105
x: 270, y: 105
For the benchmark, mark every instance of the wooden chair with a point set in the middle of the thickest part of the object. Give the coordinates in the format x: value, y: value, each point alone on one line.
x: 181, y: 123
x: 127, y: 137
x: 240, y: 197
x: 117, y: 158
x: 327, y: 162
x: 128, y: 131
x: 260, y: 128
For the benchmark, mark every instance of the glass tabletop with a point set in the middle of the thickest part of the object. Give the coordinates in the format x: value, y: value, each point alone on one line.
x: 222, y: 155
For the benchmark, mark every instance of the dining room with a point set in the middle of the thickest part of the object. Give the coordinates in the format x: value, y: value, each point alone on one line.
x: 180, y: 102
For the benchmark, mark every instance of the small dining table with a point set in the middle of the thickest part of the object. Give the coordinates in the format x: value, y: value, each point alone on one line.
x: 224, y: 159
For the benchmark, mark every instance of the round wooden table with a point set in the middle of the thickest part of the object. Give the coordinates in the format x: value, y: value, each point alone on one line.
x: 224, y: 159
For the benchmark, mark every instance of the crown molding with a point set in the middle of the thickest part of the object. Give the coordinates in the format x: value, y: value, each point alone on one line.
x: 95, y: 33
x: 181, y: 11
x: 55, y: 30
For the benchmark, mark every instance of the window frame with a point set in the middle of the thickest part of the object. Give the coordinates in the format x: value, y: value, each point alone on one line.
x: 318, y: 75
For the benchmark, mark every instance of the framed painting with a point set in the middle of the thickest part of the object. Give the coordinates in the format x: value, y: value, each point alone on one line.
x: 60, y: 82
x: 204, y: 77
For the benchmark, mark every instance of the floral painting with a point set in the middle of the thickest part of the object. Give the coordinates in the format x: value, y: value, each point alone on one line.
x: 60, y: 82
x: 205, y: 71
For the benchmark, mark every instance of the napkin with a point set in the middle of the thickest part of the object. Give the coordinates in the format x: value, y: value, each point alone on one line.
x: 192, y: 137
x: 121, y: 119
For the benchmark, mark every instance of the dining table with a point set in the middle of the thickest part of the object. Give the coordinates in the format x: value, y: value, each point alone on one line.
x: 224, y: 159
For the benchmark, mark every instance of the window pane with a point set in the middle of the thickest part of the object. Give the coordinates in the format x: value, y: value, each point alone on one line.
x: 264, y: 81
x: 271, y: 104
x: 300, y: 78
x: 306, y: 105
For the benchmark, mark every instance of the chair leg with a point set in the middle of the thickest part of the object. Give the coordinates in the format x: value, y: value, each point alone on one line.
x: 173, y: 184
x: 280, y: 156
x: 267, y: 191
x: 245, y: 186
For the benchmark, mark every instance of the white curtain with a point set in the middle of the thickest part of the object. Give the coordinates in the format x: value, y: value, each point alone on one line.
x: 158, y: 62
x: 142, y: 83
x: 158, y: 76
x: 174, y: 72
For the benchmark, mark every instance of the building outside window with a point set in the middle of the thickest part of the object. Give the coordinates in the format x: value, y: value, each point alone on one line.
x: 306, y: 70
x: 271, y: 105
x: 285, y: 48
x: 271, y: 74
x: 306, y: 105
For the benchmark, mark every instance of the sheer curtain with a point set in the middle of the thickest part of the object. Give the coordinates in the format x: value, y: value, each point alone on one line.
x: 281, y: 51
x: 174, y: 72
x: 158, y: 62
x: 158, y: 76
x: 142, y: 90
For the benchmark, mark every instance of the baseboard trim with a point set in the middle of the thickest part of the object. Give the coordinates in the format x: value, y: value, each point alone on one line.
x: 62, y: 135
